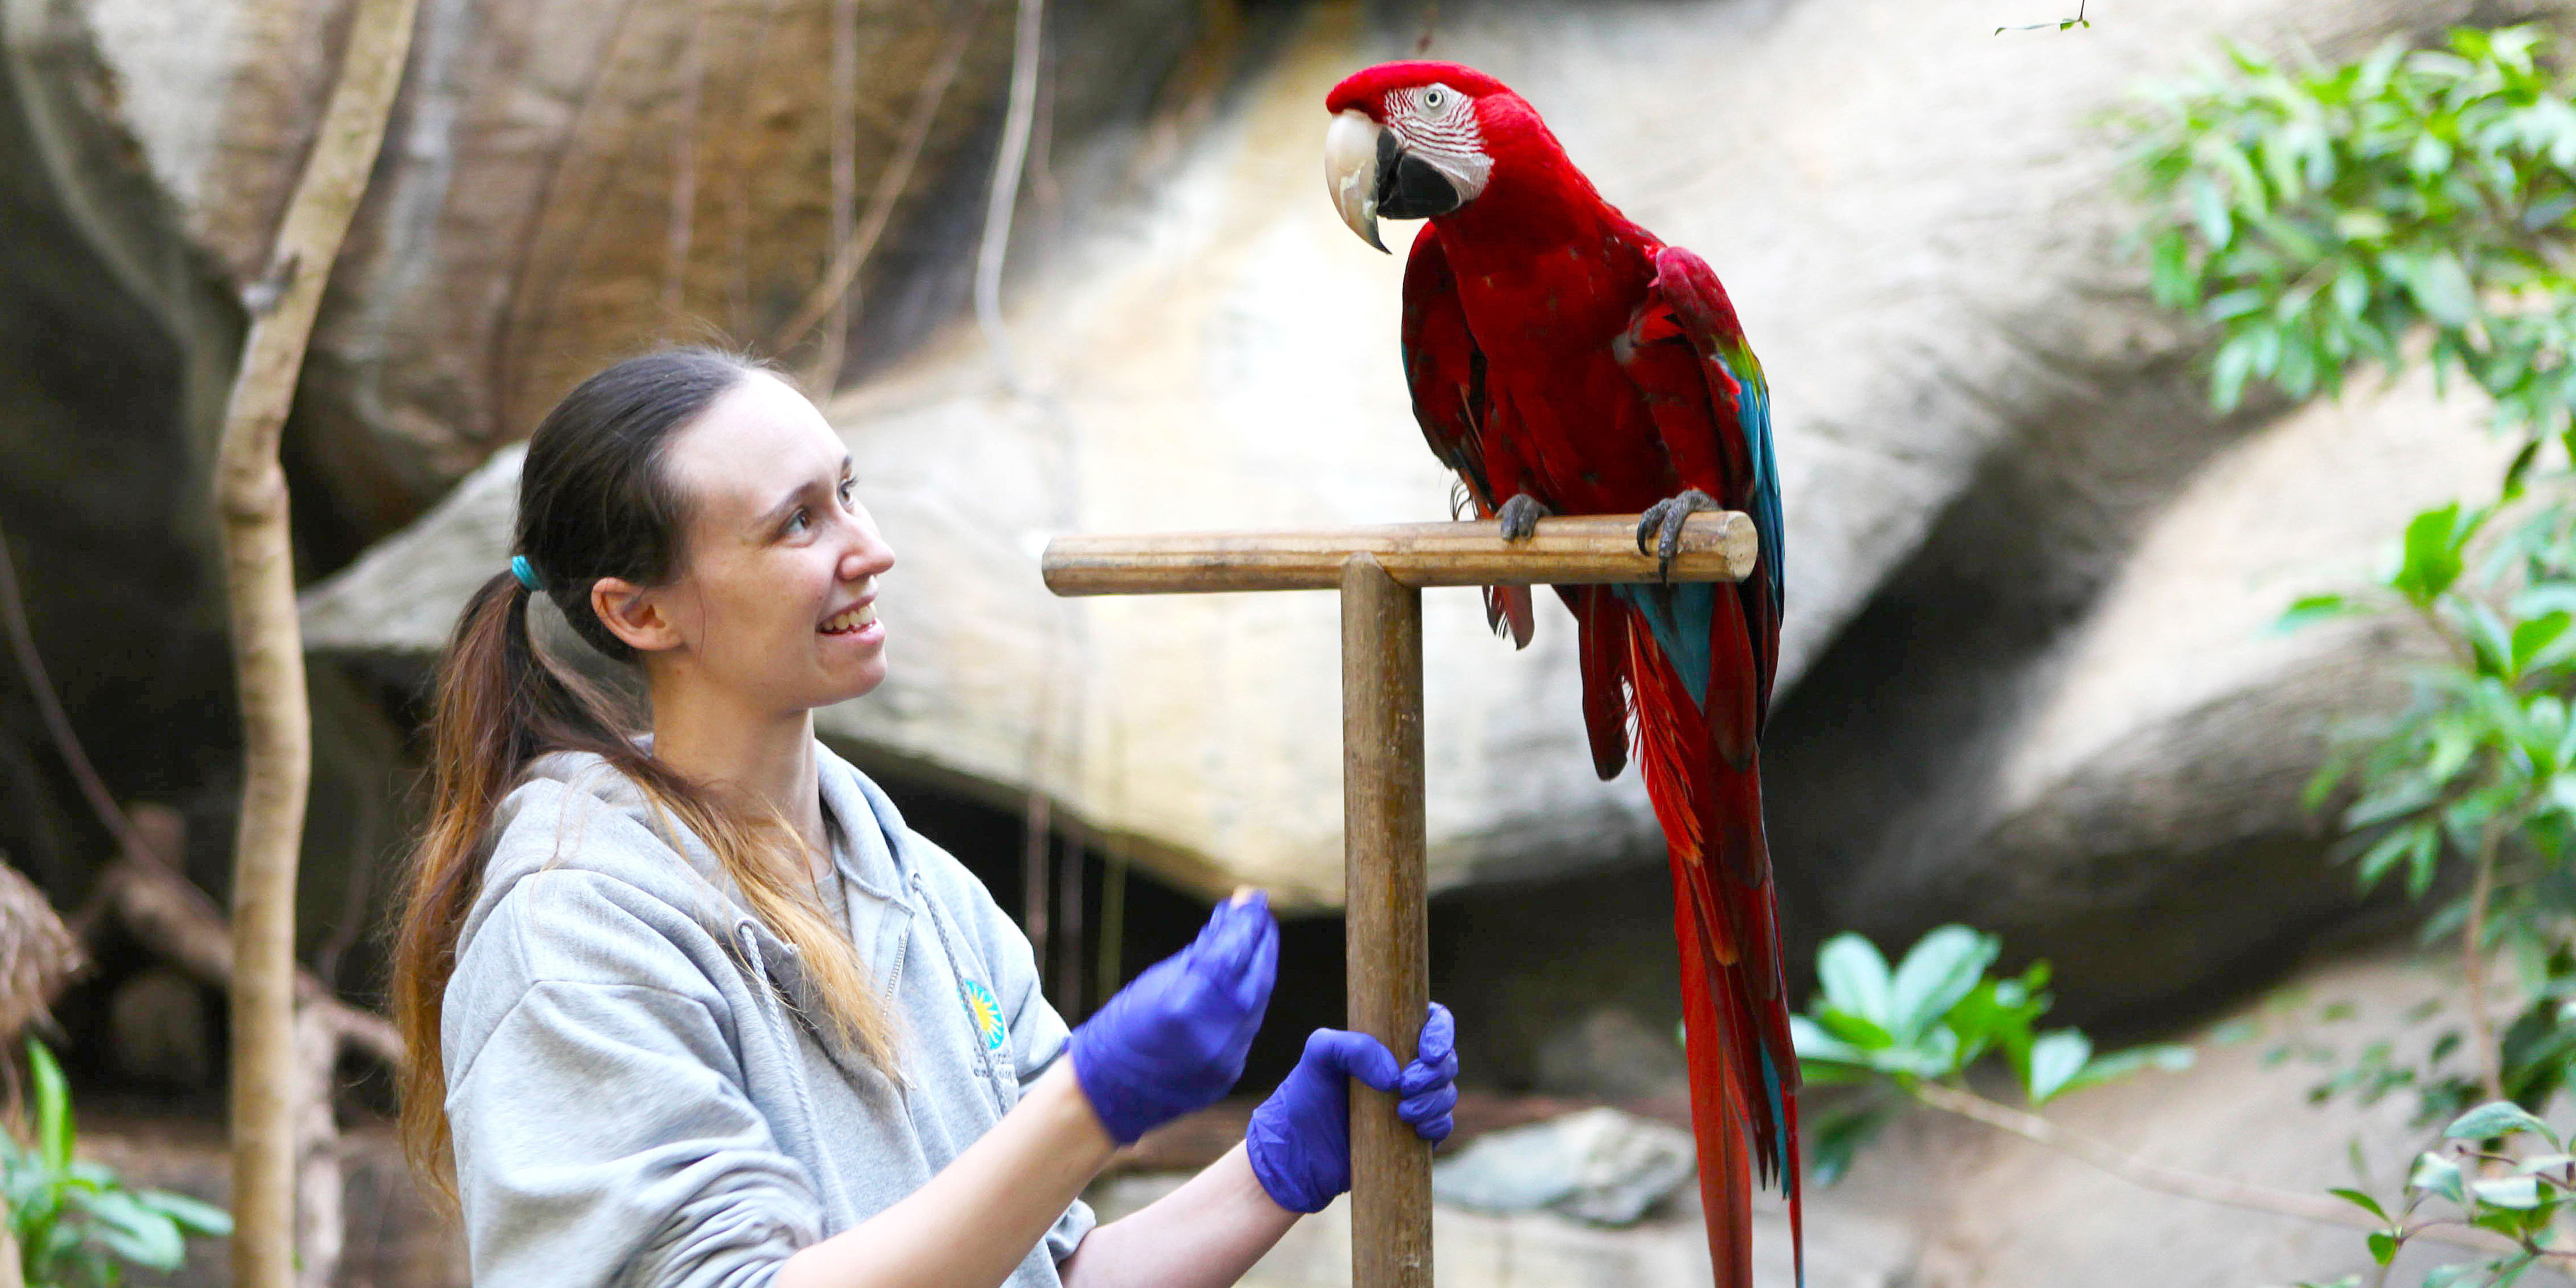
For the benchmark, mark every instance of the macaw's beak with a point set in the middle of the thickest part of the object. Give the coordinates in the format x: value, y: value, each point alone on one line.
x: 1350, y: 170
x: 1371, y: 174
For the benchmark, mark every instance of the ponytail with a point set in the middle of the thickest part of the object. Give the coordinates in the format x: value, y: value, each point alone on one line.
x: 480, y: 732
x: 592, y: 495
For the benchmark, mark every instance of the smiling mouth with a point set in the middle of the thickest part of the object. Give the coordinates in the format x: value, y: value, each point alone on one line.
x: 856, y: 619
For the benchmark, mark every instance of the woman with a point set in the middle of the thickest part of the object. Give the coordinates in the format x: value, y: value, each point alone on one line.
x: 696, y: 1008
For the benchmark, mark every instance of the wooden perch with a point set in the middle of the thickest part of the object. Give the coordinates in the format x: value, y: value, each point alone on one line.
x: 1380, y: 573
x: 1563, y: 552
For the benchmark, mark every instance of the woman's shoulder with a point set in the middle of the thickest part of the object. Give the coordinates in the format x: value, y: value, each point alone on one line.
x: 578, y: 866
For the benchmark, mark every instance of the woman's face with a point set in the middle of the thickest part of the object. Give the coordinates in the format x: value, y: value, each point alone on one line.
x: 775, y: 602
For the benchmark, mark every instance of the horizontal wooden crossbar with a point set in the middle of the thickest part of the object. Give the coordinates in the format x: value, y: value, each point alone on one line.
x: 1562, y: 552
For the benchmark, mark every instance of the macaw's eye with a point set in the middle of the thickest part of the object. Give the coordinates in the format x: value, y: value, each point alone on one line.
x: 1433, y: 100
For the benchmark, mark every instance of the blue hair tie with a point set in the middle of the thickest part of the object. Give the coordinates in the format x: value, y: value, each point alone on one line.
x: 525, y: 572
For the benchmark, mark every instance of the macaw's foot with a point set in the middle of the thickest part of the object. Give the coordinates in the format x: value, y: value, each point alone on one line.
x: 1520, y: 516
x: 1663, y: 521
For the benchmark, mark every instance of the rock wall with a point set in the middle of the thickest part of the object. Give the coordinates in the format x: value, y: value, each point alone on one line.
x: 2025, y: 681
x: 2027, y: 678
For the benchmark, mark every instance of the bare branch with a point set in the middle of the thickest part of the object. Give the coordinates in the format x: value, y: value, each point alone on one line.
x: 2174, y: 1180
x: 1004, y: 197
x: 839, y: 278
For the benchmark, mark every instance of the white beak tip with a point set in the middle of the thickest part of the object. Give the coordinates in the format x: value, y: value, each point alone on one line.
x: 1350, y: 173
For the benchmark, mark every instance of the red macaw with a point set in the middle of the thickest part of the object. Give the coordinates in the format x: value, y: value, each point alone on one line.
x: 1564, y: 360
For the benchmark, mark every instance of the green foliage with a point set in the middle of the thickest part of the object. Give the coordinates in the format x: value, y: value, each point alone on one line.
x: 76, y: 1224
x: 1939, y: 1011
x: 2476, y: 1178
x: 2486, y: 755
x: 2416, y: 206
x: 2319, y: 217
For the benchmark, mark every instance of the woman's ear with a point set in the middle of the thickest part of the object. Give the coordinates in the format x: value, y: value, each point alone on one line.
x: 634, y: 614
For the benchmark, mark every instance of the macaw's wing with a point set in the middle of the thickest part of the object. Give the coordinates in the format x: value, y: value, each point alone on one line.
x: 1710, y: 687
x: 1726, y: 453
x: 1447, y: 374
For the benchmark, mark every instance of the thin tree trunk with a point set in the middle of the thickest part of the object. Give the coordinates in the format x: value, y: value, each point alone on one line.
x: 268, y: 652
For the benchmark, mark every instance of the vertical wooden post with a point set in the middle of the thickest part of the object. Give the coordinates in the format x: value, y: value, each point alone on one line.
x: 1383, y: 841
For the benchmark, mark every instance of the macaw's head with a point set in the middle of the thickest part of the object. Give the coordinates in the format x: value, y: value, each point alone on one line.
x: 1415, y: 140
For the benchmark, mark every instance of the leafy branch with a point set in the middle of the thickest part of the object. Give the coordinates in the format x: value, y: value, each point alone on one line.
x: 2319, y: 217
x: 1910, y: 1036
x: 2063, y: 24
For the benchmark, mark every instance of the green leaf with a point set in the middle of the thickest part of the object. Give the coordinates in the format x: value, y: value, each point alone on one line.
x: 2530, y: 637
x: 2217, y: 226
x: 2516, y: 474
x: 1840, y: 1132
x: 1812, y: 1042
x: 2383, y: 1246
x: 2393, y: 801
x: 194, y: 1216
x: 1936, y: 974
x: 2496, y: 1118
x: 2172, y: 1058
x: 2055, y: 1059
x: 53, y: 1108
x: 2308, y: 610
x: 2432, y: 554
x: 2436, y: 1174
x: 133, y: 1231
x: 1851, y: 1028
x: 1854, y: 977
x: 2517, y: 1192
x: 2362, y: 1201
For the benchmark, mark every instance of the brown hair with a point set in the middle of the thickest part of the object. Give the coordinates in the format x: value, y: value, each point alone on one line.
x: 594, y: 501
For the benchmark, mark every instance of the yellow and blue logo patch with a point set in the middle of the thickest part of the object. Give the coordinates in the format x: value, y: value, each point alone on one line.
x: 981, y: 1004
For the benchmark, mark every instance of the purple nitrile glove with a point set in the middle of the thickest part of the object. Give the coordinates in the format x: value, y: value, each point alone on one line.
x: 1173, y: 1039
x: 1300, y: 1138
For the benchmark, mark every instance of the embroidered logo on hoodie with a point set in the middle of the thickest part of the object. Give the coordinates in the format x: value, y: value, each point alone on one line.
x: 988, y: 1015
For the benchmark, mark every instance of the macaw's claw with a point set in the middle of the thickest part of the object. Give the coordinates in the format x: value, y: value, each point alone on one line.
x: 1520, y: 516
x: 1663, y: 521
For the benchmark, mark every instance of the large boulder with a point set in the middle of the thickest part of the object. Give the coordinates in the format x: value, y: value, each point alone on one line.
x: 1985, y: 429
x: 2119, y: 788
x: 562, y: 181
x: 1927, y: 255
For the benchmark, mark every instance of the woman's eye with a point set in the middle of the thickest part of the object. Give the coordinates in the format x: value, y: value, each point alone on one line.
x: 796, y: 521
x: 846, y: 485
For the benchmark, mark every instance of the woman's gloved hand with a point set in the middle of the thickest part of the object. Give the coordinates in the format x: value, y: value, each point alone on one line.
x: 1173, y: 1040
x: 1300, y: 1138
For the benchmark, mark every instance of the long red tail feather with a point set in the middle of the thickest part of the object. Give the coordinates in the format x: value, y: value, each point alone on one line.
x: 1743, y: 1068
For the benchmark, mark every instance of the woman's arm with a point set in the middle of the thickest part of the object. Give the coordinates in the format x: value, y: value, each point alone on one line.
x: 974, y: 1222
x: 1205, y: 1234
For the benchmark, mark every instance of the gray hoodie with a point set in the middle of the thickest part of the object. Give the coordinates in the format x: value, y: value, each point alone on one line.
x: 636, y: 1096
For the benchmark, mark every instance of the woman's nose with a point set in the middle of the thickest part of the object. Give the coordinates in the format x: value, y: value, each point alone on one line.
x: 869, y: 556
